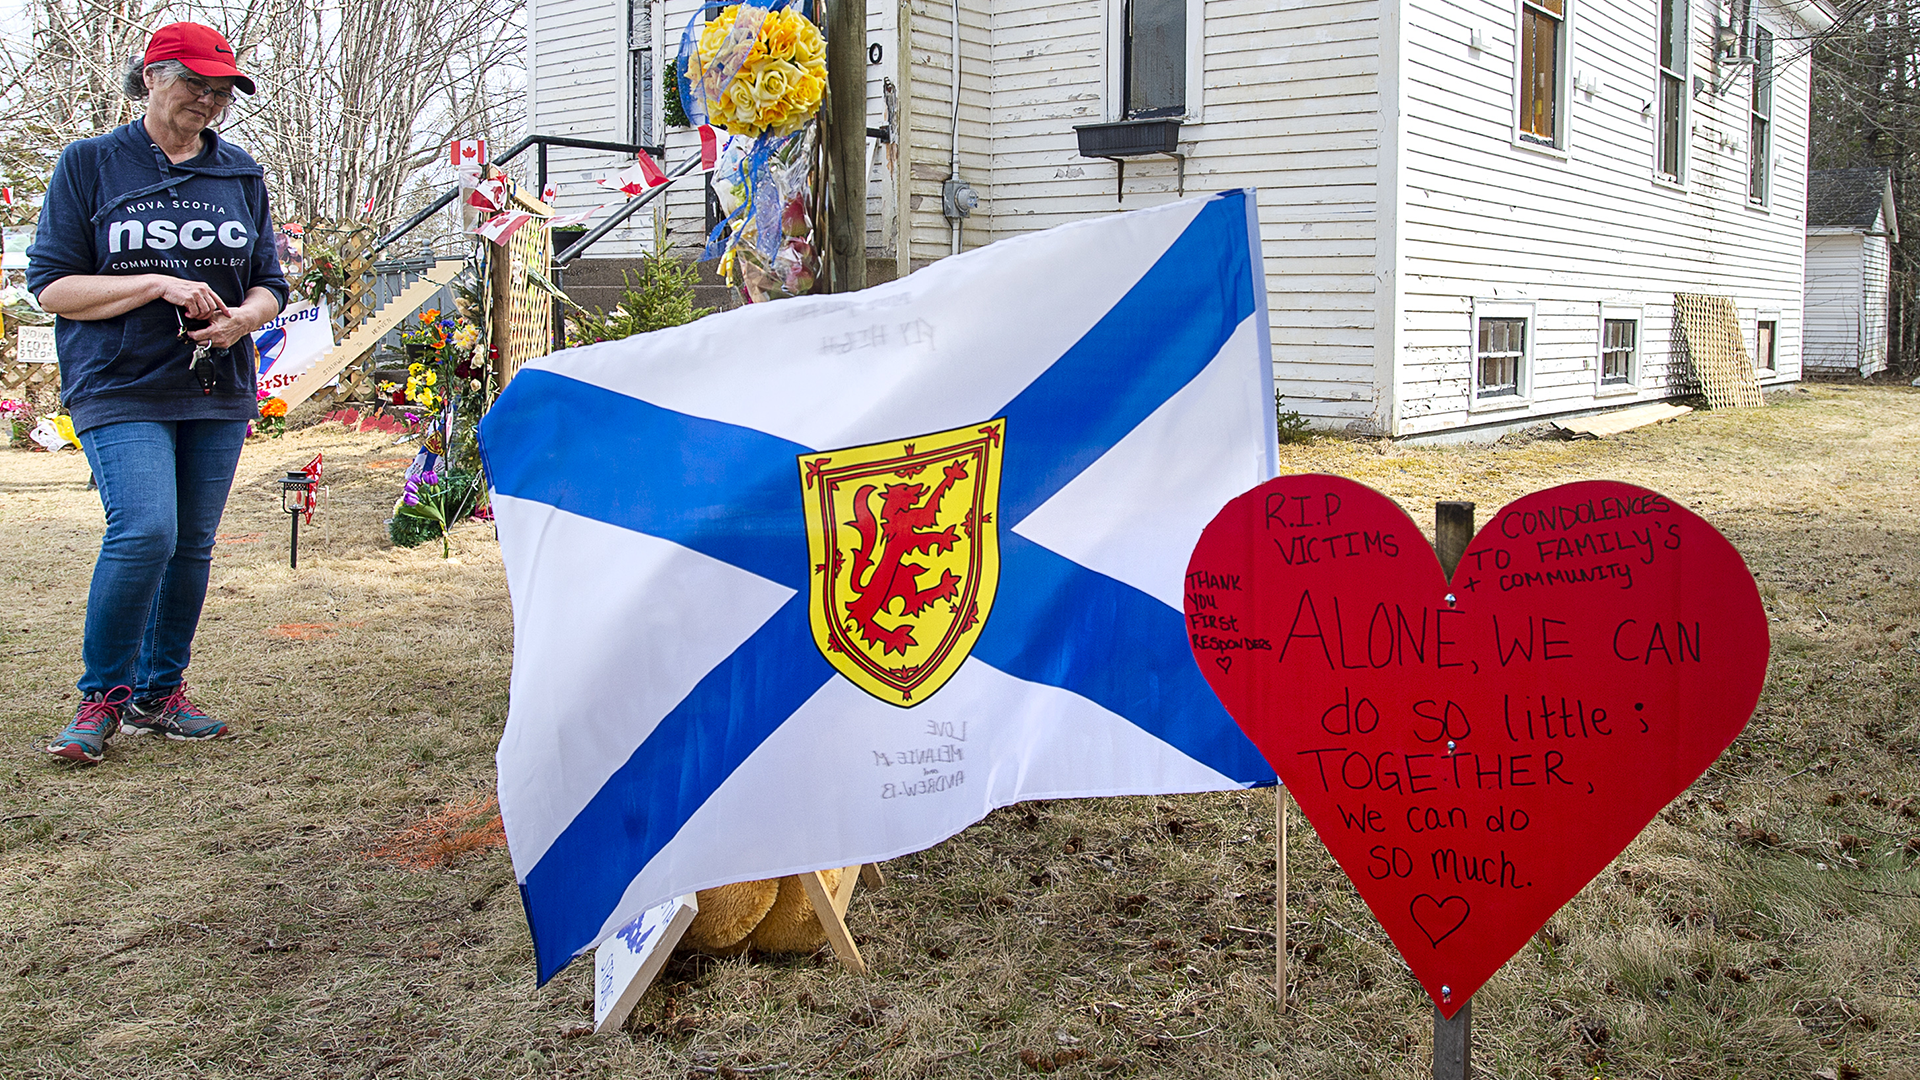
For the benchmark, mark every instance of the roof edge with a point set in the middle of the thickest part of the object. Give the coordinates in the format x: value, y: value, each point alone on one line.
x: 1818, y: 14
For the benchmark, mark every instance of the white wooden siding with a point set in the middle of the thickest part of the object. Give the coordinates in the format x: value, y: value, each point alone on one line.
x: 1486, y: 218
x: 1835, y: 289
x: 1875, y: 267
x: 1392, y: 195
x: 1290, y: 96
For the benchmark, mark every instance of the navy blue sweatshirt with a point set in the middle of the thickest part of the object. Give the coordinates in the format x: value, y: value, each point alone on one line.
x: 116, y: 205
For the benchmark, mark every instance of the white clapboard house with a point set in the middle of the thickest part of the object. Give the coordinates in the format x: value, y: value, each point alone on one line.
x: 1851, y: 227
x: 1476, y: 213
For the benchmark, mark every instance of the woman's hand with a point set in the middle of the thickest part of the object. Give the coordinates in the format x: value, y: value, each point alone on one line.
x: 228, y: 327
x: 196, y: 298
x: 87, y: 297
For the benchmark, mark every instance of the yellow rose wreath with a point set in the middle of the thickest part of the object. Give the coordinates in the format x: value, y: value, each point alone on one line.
x: 780, y: 85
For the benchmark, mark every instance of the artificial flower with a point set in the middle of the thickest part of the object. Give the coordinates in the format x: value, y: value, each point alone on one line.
x: 780, y: 83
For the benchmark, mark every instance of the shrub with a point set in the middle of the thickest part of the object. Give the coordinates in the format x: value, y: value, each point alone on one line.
x: 658, y: 295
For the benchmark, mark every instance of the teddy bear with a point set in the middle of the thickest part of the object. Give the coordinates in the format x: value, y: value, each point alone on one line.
x: 771, y: 916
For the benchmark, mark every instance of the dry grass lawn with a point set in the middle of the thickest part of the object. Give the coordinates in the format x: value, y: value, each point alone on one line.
x: 245, y: 909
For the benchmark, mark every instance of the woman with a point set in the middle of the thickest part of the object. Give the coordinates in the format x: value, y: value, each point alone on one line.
x: 155, y: 249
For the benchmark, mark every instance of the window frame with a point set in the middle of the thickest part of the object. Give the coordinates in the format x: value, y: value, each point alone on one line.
x: 1760, y: 121
x: 1522, y: 397
x: 1610, y: 313
x: 1673, y: 15
x: 643, y: 75
x: 1116, y: 61
x: 1768, y: 318
x: 1562, y: 78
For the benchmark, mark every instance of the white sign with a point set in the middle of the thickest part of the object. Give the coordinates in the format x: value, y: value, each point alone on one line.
x: 17, y: 243
x: 36, y: 345
x: 625, y: 964
x: 292, y: 343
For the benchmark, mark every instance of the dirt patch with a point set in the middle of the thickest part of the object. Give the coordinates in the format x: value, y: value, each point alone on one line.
x: 210, y: 909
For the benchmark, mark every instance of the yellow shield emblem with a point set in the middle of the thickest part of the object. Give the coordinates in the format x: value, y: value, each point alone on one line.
x: 905, y: 556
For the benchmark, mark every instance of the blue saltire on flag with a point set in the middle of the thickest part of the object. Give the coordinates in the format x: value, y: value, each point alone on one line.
x: 674, y: 723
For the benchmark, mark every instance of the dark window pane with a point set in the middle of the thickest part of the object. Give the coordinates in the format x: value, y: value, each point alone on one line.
x: 1673, y: 36
x: 1763, y: 345
x: 1616, y: 350
x: 1156, y: 60
x: 1670, y: 145
x: 639, y: 24
x: 1502, y: 345
x: 1539, y: 73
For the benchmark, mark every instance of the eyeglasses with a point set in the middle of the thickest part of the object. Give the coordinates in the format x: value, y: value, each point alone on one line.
x: 206, y: 91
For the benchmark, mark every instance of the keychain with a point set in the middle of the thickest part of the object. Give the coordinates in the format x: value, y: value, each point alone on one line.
x: 203, y: 351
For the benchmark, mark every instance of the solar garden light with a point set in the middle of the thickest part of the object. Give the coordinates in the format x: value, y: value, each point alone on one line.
x: 296, y: 499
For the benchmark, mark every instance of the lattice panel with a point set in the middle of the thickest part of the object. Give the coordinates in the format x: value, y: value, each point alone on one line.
x: 522, y: 317
x: 1708, y: 333
x: 353, y: 244
x: 29, y: 381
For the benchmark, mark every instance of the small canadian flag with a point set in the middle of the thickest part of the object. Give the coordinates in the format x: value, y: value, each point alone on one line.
x: 6, y: 195
x: 548, y: 194
x: 561, y: 221
x: 367, y: 207
x: 489, y: 194
x: 469, y: 152
x: 501, y: 228
x: 637, y: 177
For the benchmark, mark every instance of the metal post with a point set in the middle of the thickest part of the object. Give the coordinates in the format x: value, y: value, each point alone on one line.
x: 1452, y: 1039
x: 293, y: 545
x: 540, y: 159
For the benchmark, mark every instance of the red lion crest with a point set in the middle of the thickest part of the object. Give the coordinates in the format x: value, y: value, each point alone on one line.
x: 905, y: 526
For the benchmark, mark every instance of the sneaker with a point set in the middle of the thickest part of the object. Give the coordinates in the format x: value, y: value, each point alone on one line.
x: 94, y: 722
x: 173, y: 716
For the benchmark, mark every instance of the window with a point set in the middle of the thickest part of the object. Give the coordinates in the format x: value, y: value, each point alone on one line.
x: 641, y: 73
x: 1154, y: 58
x: 1542, y: 39
x: 1499, y: 358
x: 1760, y: 137
x: 1765, y: 334
x: 1619, y: 346
x: 1670, y: 110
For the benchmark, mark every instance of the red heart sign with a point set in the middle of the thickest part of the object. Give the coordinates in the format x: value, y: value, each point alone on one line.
x: 1473, y: 752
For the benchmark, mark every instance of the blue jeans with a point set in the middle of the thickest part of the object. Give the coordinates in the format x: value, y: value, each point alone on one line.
x: 164, y: 485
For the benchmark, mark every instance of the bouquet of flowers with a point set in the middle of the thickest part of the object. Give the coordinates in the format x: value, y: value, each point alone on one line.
x: 16, y: 419
x: 440, y: 364
x: 760, y: 70
x: 759, y: 74
x: 429, y: 504
x: 273, y: 414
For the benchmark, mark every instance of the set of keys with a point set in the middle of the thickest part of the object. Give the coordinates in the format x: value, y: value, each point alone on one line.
x: 204, y: 352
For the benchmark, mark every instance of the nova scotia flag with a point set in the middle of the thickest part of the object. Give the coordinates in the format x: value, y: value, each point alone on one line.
x: 676, y: 722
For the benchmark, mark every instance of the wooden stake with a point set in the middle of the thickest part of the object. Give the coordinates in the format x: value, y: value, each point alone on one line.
x: 831, y: 910
x: 1452, y: 1039
x: 846, y: 143
x: 1452, y: 532
x: 1280, y: 800
x: 1453, y: 1044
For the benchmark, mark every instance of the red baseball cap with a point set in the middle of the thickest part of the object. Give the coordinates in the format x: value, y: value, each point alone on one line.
x: 201, y: 48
